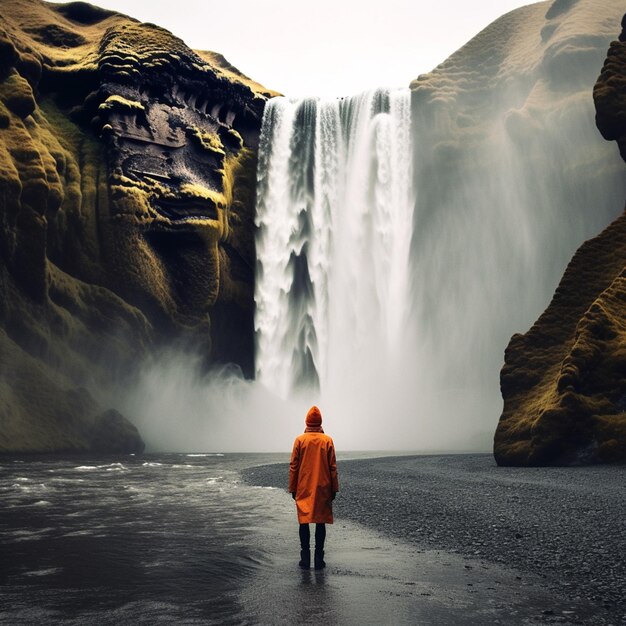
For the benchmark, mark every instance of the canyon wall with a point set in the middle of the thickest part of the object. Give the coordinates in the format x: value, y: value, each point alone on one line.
x: 564, y: 381
x: 127, y: 193
x: 512, y: 176
x: 127, y: 199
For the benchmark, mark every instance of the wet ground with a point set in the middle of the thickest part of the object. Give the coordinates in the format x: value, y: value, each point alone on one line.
x: 182, y: 539
x: 373, y: 579
x: 543, y: 544
x: 127, y: 540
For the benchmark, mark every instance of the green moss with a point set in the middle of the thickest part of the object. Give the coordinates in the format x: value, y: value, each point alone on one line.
x: 117, y: 60
x: 201, y: 192
x: 131, y: 201
x: 73, y: 242
x: 17, y: 95
x: 77, y: 160
x: 118, y: 103
x: 5, y: 116
x: 29, y: 66
x: 208, y: 141
x: 231, y: 138
x: 575, y: 397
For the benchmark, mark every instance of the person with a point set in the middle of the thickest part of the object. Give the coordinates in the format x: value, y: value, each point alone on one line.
x: 313, y: 484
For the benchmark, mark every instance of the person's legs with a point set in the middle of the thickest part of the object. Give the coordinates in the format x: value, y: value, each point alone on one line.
x: 305, y: 536
x: 305, y: 546
x: 320, y: 537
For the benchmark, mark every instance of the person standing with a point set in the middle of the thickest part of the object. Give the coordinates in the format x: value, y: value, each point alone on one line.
x: 313, y: 484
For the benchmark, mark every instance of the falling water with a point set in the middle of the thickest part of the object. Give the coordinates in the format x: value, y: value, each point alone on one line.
x: 402, y: 240
x: 334, y: 212
x: 392, y: 270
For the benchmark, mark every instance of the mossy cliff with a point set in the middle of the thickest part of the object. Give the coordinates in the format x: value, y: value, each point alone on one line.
x: 511, y: 177
x: 127, y: 176
x: 564, y: 381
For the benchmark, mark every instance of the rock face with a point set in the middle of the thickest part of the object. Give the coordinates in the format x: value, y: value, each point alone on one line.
x: 127, y: 182
x: 564, y: 381
x: 511, y: 177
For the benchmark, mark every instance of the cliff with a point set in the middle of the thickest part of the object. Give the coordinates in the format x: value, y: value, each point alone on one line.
x: 564, y: 381
x: 127, y: 182
x: 511, y: 177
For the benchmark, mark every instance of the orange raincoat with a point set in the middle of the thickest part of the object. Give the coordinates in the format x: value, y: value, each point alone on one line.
x: 313, y: 473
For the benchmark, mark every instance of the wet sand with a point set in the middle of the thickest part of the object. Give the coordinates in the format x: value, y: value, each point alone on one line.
x: 181, y: 539
x: 455, y: 540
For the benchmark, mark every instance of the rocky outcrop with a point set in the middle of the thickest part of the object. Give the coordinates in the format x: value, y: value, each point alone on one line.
x: 511, y: 177
x: 127, y: 182
x: 564, y: 381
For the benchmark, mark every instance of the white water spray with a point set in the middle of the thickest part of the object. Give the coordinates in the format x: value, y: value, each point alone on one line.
x: 334, y: 212
x: 392, y: 272
x: 399, y: 251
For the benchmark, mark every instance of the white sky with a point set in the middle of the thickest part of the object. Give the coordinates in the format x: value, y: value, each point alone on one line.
x: 323, y: 47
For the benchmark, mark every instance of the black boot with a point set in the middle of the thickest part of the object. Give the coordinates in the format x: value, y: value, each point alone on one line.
x: 319, y: 559
x: 305, y: 559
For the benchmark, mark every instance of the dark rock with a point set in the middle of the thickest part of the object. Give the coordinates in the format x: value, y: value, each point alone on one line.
x: 127, y: 194
x: 563, y: 381
x: 112, y: 432
x: 456, y: 499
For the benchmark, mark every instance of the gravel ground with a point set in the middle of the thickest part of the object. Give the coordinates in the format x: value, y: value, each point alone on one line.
x: 565, y: 524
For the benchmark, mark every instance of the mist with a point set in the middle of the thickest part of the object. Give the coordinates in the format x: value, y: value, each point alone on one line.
x: 179, y: 407
x: 403, y: 238
x: 492, y: 234
x: 511, y: 176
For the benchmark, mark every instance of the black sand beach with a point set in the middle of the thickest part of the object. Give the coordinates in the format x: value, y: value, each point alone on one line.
x: 563, y: 527
x: 182, y: 539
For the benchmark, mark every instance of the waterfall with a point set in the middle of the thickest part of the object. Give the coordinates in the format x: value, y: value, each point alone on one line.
x: 398, y: 252
x: 334, y: 216
x: 402, y: 239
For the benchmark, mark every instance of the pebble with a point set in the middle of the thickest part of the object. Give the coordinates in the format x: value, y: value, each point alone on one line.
x: 569, y: 522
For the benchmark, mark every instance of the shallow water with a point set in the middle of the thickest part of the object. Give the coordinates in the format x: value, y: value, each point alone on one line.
x: 154, y: 538
x: 178, y: 538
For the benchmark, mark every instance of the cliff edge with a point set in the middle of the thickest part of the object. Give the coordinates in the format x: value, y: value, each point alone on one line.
x: 564, y: 381
x: 127, y: 182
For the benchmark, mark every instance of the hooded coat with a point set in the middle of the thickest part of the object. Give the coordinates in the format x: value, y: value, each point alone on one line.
x: 313, y: 472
